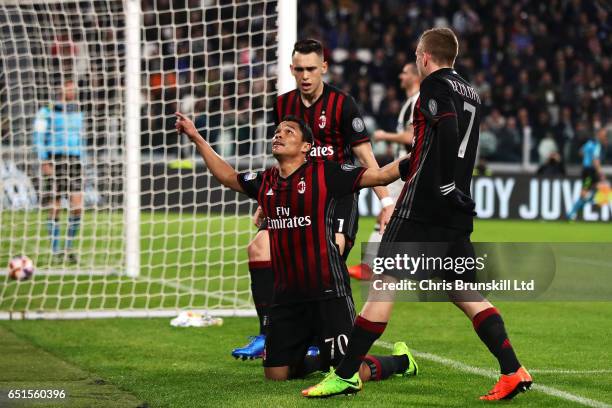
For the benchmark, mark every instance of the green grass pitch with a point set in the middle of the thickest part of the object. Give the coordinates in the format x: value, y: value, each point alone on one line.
x: 145, y: 362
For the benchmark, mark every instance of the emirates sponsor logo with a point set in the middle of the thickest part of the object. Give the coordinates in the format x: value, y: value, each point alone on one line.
x: 287, y: 223
x: 284, y: 220
x: 322, y: 151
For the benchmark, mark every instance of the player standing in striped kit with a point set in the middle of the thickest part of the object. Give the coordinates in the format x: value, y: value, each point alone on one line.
x: 433, y: 208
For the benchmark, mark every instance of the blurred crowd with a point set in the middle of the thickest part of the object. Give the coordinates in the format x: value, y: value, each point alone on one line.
x: 543, y: 69
x: 210, y: 59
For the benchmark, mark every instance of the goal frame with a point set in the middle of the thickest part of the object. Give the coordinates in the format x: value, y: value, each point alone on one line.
x: 287, y: 24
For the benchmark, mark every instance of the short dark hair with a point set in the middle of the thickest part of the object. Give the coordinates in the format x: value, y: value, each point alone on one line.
x: 304, y: 128
x: 307, y: 46
x: 442, y: 44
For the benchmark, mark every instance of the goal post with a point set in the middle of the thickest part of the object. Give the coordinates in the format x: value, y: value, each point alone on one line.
x: 287, y: 25
x: 157, y: 233
x: 132, y: 137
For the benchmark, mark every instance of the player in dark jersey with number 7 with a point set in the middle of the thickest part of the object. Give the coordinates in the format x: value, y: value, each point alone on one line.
x: 434, y: 207
x: 312, y: 294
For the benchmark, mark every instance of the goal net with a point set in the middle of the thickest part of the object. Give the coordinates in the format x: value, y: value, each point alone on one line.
x: 157, y: 233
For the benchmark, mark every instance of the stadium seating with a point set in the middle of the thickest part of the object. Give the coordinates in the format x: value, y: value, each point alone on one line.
x: 556, y: 102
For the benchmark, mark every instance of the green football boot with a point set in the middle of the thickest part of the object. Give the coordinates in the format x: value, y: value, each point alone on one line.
x: 334, y: 385
x: 401, y: 349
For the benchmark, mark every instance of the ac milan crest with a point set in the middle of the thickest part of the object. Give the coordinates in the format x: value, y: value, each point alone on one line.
x: 322, y: 121
x: 301, y: 186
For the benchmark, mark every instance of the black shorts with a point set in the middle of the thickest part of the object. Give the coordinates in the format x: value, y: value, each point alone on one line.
x: 67, y: 175
x: 431, y: 241
x: 294, y: 327
x: 589, y: 178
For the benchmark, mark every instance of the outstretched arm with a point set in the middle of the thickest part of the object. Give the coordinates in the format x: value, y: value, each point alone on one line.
x: 220, y: 169
x: 364, y: 153
x: 382, y: 176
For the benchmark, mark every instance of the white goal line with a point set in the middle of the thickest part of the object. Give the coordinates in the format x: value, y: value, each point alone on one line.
x: 173, y: 283
x: 570, y: 372
x: 494, y: 375
x: 109, y: 314
x: 77, y: 272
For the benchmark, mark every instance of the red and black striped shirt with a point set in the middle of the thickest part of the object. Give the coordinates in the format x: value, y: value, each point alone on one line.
x: 443, y: 94
x: 335, y: 121
x: 306, y: 262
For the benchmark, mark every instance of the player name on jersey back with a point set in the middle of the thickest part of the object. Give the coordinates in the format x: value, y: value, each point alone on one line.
x: 464, y: 90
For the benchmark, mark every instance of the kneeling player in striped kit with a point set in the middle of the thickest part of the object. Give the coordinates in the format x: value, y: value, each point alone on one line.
x: 312, y: 294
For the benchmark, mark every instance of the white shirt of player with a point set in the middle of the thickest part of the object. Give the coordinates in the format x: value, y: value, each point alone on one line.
x: 404, y: 120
